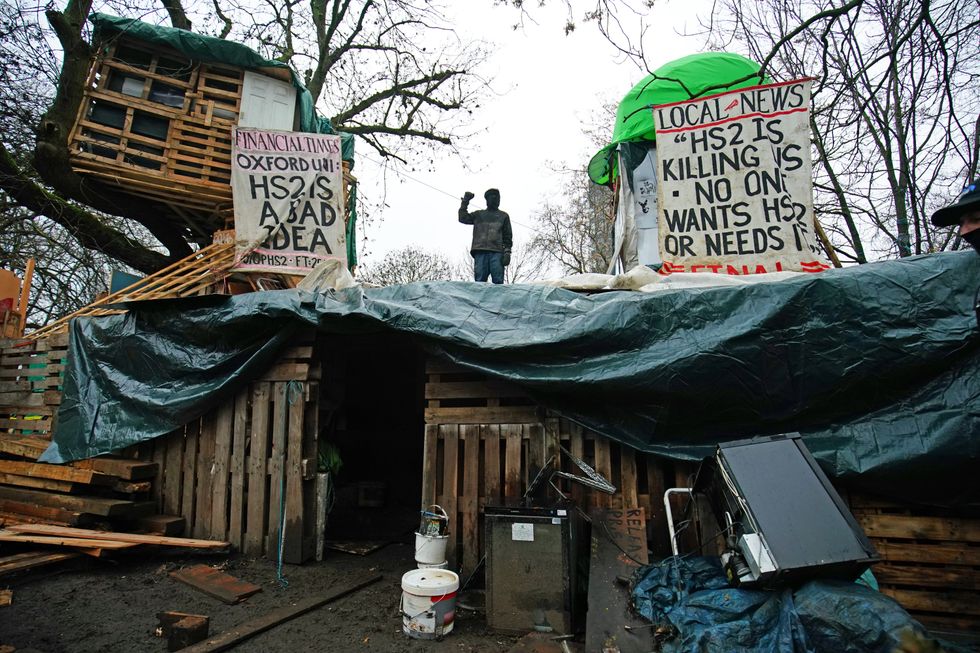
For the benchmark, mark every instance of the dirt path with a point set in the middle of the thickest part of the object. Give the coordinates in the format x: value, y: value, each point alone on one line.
x: 107, y: 606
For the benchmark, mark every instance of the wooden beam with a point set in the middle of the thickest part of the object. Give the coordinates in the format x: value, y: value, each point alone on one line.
x: 253, y: 627
x: 136, y: 538
x: 92, y: 505
x: 216, y: 584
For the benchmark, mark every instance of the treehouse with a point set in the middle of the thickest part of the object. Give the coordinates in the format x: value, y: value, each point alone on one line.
x: 158, y: 110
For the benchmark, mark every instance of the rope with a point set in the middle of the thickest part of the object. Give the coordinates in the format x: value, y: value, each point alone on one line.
x: 294, y: 392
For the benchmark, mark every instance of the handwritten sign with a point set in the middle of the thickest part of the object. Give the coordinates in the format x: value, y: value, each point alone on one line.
x: 288, y: 194
x: 735, y: 182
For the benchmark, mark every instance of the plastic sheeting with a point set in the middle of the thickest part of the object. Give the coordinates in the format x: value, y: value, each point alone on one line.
x: 691, y: 598
x: 878, y: 366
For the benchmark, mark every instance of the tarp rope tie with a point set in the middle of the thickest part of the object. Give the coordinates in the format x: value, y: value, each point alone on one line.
x: 294, y: 392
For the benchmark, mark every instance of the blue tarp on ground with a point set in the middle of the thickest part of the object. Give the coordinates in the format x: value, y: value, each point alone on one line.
x: 878, y: 366
x: 691, y: 599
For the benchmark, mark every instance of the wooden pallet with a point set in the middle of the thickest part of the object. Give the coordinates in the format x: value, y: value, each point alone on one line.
x: 231, y: 472
x: 30, y: 384
x: 931, y: 560
x: 189, y: 276
x: 467, y: 466
x: 454, y: 395
x: 190, y: 165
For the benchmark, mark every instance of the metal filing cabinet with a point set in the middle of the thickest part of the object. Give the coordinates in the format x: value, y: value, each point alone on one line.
x: 532, y: 580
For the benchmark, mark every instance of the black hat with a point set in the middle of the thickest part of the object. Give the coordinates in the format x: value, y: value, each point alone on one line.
x: 491, y: 191
x: 968, y: 201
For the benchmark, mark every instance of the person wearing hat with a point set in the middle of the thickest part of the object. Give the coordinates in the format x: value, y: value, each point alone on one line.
x: 964, y: 213
x: 492, y: 236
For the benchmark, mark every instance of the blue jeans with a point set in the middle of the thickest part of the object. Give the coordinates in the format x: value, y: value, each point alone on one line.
x: 488, y: 264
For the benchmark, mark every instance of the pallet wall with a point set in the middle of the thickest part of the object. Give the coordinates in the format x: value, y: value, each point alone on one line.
x: 931, y: 560
x: 484, y: 439
x: 30, y: 384
x: 246, y: 467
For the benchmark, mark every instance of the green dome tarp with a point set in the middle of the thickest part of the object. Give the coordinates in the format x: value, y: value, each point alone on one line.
x: 682, y: 79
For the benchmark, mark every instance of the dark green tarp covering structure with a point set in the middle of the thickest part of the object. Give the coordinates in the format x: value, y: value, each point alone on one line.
x: 209, y: 49
x: 878, y: 366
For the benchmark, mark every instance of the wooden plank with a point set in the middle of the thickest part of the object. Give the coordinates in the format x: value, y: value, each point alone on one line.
x: 188, y: 493
x: 513, y: 483
x: 126, y: 469
x: 450, y: 490
x: 216, y: 584
x: 219, y: 469
x: 6, y: 598
x: 619, y: 548
x: 960, y: 578
x: 38, y: 483
x: 57, y: 540
x: 293, y: 541
x: 169, y: 525
x: 236, y: 519
x: 535, y: 448
x: 469, y: 501
x: 472, y: 390
x: 491, y: 454
x: 91, y: 505
x: 202, y: 502
x: 920, y: 528
x: 55, y: 472
x: 286, y: 372
x: 255, y: 525
x: 277, y: 468
x: 577, y: 449
x: 960, y: 603
x: 173, y: 468
x: 627, y: 466
x: 113, y: 536
x: 478, y: 415
x: 942, y: 553
x: 253, y: 627
x: 46, y: 514
x: 603, y: 465
x: 32, y: 560
x: 429, y: 465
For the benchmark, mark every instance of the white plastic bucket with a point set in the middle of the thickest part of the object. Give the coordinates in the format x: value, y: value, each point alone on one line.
x: 430, y: 549
x: 428, y: 603
x: 437, y: 565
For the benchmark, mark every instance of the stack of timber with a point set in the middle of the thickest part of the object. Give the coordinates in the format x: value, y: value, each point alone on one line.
x: 931, y: 560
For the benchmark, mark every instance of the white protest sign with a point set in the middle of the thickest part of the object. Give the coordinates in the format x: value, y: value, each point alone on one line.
x: 735, y: 182
x: 288, y: 194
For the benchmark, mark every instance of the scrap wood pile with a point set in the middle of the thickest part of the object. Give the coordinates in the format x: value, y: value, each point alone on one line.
x: 95, y: 507
x: 50, y: 513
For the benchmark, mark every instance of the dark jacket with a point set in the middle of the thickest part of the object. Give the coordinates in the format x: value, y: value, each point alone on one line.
x: 491, y: 229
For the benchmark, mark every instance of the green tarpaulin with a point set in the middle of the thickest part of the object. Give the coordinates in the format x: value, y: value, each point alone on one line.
x: 878, y: 366
x: 209, y: 49
x: 682, y: 79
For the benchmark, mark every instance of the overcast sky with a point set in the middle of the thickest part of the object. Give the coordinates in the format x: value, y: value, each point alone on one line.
x: 548, y: 85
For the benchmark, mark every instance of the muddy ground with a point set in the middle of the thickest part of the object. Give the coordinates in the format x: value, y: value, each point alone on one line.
x: 111, y: 605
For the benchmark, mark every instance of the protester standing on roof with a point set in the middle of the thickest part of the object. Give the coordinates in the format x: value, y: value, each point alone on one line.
x: 964, y: 213
x: 492, y: 237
